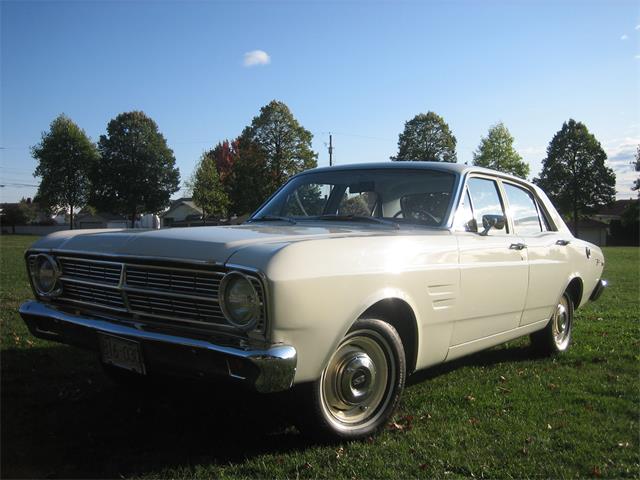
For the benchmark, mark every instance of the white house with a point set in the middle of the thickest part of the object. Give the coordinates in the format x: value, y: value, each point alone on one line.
x: 181, y: 210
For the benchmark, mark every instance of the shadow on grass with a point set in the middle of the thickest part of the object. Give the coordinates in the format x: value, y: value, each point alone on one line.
x: 495, y: 356
x: 62, y: 418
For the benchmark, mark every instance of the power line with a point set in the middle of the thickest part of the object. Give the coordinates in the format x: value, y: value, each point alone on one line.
x: 359, y: 136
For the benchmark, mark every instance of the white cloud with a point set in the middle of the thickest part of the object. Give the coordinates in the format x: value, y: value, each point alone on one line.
x: 637, y: 27
x: 256, y: 57
x: 621, y: 154
x: 624, y: 37
x: 637, y: 57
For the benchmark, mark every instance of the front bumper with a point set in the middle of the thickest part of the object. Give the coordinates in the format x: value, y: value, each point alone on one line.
x: 269, y: 369
x: 597, y: 291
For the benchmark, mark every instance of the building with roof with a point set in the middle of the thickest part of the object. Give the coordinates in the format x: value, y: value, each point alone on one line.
x: 181, y: 210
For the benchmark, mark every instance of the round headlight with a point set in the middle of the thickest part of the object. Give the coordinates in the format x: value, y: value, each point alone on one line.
x: 239, y: 300
x: 45, y: 276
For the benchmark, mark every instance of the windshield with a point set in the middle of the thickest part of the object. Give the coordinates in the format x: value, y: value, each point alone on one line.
x: 418, y: 197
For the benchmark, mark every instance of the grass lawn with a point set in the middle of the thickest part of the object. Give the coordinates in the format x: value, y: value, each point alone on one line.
x: 500, y: 413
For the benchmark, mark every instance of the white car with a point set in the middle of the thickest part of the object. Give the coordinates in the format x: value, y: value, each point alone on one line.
x: 344, y: 282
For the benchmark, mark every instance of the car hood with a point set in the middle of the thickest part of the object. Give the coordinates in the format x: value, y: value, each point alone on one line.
x: 209, y: 244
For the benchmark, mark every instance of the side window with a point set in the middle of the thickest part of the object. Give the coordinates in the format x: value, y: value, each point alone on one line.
x: 464, y: 216
x: 522, y: 208
x: 546, y: 224
x: 486, y: 201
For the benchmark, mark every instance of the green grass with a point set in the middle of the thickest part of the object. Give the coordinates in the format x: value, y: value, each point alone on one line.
x: 500, y: 413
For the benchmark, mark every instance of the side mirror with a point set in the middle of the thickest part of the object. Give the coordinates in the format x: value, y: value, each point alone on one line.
x: 492, y: 221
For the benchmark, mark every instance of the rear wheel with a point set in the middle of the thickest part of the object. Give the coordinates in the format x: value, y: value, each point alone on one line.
x: 556, y: 336
x: 361, y: 385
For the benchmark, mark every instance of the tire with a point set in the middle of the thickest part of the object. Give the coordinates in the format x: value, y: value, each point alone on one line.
x: 555, y: 338
x: 361, y: 385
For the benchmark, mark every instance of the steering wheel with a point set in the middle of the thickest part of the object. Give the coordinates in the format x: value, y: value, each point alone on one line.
x: 428, y: 217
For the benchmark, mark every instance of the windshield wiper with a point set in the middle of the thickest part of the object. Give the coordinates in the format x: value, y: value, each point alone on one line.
x: 273, y: 218
x: 358, y: 218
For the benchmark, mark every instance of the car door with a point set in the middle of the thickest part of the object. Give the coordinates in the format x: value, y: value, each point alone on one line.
x: 493, y: 266
x: 546, y: 252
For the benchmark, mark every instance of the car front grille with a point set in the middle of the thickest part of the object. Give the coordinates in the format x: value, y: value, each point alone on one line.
x: 159, y: 293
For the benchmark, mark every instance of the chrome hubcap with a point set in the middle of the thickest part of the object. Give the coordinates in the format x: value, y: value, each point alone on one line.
x: 354, y: 384
x: 561, y: 324
x: 356, y: 379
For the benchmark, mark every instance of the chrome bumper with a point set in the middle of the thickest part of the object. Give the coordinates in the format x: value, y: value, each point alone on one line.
x: 270, y: 369
x: 597, y: 291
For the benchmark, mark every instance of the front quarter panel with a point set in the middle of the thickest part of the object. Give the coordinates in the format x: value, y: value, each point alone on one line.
x: 319, y: 288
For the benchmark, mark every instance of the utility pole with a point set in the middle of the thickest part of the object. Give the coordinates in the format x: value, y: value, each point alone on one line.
x: 330, y: 150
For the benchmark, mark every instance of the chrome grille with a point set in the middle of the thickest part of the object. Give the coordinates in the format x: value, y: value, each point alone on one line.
x: 181, y: 281
x: 91, y: 270
x: 93, y: 295
x: 171, y: 308
x: 159, y: 293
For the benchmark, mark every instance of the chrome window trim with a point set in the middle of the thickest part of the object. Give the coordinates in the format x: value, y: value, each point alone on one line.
x: 501, y: 196
x: 543, y: 217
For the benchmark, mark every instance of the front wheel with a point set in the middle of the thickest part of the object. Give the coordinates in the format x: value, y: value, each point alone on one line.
x: 361, y: 384
x: 556, y: 336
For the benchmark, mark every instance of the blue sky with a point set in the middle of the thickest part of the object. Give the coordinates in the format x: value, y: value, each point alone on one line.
x: 357, y: 69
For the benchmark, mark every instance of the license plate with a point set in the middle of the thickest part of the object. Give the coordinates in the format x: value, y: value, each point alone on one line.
x: 121, y: 352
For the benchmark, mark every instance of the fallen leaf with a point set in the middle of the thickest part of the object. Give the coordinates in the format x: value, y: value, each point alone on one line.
x: 595, y: 471
x: 470, y: 398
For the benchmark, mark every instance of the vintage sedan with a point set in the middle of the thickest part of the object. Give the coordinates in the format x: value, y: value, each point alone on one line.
x: 344, y: 282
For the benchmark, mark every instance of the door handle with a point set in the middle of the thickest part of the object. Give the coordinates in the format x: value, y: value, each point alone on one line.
x: 517, y: 246
x: 563, y: 242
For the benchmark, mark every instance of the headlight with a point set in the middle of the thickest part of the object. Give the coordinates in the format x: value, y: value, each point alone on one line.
x: 45, y: 273
x: 239, y: 300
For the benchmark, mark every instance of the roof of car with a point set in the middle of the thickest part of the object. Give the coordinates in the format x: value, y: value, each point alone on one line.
x: 458, y: 168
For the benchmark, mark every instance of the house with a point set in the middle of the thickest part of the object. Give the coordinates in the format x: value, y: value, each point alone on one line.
x: 86, y: 219
x: 592, y: 231
x: 613, y: 211
x: 181, y: 210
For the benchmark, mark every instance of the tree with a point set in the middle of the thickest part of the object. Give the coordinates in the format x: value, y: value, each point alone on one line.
x: 248, y: 184
x: 496, y: 151
x: 224, y: 154
x: 277, y: 142
x: 65, y: 158
x: 137, y: 172
x: 426, y: 137
x: 13, y: 214
x: 574, y: 174
x: 636, y: 182
x: 207, y: 190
